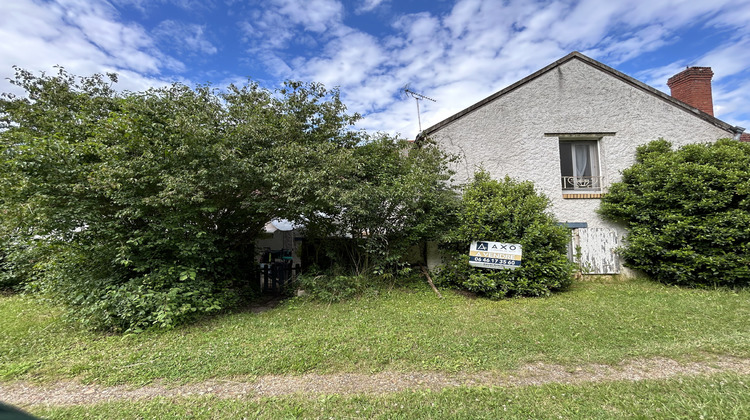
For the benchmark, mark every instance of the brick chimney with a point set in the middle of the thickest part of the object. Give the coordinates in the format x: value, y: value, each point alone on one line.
x: 693, y: 86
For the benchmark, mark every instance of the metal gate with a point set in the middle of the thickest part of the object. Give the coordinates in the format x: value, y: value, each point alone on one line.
x: 274, y: 278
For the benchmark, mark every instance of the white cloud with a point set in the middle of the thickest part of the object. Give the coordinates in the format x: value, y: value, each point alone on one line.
x: 269, y: 31
x: 480, y: 46
x: 491, y: 44
x: 369, y: 5
x: 190, y: 5
x: 347, y: 61
x: 185, y: 37
x: 585, y: 24
x: 459, y: 56
x: 420, y: 42
x: 83, y: 36
x: 657, y: 77
x: 462, y: 17
x: 731, y: 91
x: 734, y: 16
x: 675, y: 13
x: 728, y: 59
x: 730, y: 103
x: 312, y: 15
x: 632, y: 44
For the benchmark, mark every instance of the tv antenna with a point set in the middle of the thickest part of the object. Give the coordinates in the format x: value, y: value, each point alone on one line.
x: 417, y: 97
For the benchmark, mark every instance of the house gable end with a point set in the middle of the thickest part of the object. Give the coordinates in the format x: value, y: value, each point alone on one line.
x: 732, y: 131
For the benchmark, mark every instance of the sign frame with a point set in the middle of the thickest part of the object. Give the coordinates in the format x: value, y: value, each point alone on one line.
x: 495, y: 255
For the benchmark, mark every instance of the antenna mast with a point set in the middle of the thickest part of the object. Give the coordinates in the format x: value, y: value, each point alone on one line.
x: 417, y: 97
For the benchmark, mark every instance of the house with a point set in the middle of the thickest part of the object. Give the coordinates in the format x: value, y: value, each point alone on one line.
x: 278, y: 254
x: 571, y: 128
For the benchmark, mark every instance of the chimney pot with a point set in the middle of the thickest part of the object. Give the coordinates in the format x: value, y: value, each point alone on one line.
x: 693, y: 86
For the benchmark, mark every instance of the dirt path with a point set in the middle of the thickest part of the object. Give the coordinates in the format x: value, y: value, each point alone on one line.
x: 70, y: 393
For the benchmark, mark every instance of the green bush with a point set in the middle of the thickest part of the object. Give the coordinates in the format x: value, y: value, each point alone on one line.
x: 8, y: 278
x: 147, y: 204
x: 387, y: 197
x: 337, y: 284
x: 513, y: 212
x: 687, y: 212
x: 333, y: 286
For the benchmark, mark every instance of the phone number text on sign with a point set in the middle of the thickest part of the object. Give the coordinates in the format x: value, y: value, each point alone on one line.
x: 496, y: 255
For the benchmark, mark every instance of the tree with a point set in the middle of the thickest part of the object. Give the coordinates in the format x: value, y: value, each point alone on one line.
x: 141, y: 209
x: 687, y: 212
x: 508, y: 211
x: 386, y: 199
x: 390, y: 196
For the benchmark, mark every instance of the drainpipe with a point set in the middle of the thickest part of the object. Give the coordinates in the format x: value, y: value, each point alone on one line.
x: 738, y: 132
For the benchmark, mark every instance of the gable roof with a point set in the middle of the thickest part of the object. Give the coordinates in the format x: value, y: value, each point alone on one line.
x: 575, y: 55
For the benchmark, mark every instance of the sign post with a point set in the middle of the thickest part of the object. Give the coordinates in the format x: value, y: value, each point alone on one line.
x: 495, y: 255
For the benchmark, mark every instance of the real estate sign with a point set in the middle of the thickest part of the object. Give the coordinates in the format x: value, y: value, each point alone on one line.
x: 497, y: 255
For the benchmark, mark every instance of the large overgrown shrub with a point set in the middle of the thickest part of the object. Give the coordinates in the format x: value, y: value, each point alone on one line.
x: 147, y: 204
x: 687, y: 212
x: 391, y: 195
x: 141, y: 209
x: 508, y: 211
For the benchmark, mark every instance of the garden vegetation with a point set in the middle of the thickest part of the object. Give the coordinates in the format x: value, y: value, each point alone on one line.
x: 141, y: 209
x: 508, y: 211
x: 687, y: 212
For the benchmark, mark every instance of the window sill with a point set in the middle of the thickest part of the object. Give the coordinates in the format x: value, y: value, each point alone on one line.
x: 573, y: 195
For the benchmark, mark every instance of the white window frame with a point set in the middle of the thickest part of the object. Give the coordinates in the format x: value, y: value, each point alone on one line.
x: 596, y: 182
x: 582, y: 182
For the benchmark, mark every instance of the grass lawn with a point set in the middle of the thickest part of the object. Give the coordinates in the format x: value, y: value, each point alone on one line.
x: 725, y: 396
x: 596, y: 321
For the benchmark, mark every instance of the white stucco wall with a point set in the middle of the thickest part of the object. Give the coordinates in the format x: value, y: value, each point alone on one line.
x: 279, y: 240
x: 507, y: 136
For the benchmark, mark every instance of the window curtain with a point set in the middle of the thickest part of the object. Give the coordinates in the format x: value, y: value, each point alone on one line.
x: 582, y: 159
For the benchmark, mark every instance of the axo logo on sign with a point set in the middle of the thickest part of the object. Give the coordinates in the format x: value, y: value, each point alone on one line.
x: 497, y: 255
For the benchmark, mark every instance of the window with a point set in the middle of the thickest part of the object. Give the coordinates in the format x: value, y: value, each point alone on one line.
x: 579, y: 165
x: 580, y: 170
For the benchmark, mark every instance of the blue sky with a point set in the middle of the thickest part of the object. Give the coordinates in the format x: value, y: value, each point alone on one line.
x: 456, y: 52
